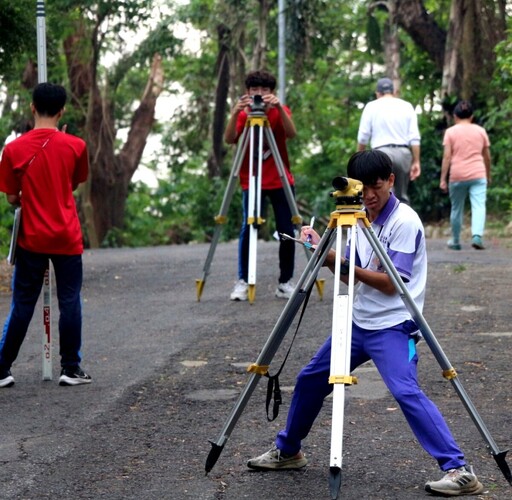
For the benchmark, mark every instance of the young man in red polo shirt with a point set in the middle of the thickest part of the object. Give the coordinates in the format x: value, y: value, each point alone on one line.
x: 39, y: 171
x: 263, y: 83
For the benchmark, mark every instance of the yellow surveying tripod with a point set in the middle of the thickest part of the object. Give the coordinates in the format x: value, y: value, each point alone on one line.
x: 257, y: 130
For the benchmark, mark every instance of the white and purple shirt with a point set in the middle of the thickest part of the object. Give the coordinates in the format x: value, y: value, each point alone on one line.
x: 400, y: 231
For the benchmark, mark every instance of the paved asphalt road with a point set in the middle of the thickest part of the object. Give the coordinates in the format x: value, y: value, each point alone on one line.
x: 167, y: 370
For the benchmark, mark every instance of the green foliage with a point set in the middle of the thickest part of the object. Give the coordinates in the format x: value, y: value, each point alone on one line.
x: 180, y: 210
x: 335, y: 54
x: 18, y: 28
x: 459, y: 268
x: 331, y: 46
x: 497, y: 122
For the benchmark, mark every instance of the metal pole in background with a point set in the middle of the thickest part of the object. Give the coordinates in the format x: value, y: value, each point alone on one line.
x: 281, y: 51
x: 41, y: 42
x: 47, y: 284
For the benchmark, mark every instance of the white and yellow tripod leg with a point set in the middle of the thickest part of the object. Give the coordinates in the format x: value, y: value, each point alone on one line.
x: 254, y: 219
x: 341, y: 341
x: 222, y: 217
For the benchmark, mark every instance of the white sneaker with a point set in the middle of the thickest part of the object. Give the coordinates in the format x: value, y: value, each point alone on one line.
x: 285, y: 290
x: 239, y: 291
x: 273, y: 459
x: 456, y: 482
x: 6, y: 379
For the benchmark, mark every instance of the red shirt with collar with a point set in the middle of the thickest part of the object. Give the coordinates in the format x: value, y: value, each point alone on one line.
x: 270, y: 175
x: 46, y: 165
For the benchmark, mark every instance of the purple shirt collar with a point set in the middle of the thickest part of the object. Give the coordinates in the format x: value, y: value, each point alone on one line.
x: 388, y: 209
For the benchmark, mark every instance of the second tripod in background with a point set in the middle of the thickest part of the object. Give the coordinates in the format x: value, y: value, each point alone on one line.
x: 257, y: 131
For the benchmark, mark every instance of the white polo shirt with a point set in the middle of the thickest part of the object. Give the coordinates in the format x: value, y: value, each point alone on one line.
x: 388, y: 120
x: 400, y: 231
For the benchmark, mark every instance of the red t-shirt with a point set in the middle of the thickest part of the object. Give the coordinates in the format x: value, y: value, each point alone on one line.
x: 270, y: 175
x: 46, y: 166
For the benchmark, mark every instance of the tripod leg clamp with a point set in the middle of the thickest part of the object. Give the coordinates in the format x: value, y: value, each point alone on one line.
x: 342, y: 379
x: 255, y: 220
x: 450, y: 374
x: 258, y: 369
x: 220, y: 219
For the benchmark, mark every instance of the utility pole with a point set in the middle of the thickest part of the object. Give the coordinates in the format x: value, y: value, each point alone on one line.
x: 281, y: 20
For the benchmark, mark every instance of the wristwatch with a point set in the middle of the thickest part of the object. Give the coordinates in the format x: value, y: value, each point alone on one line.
x: 345, y: 268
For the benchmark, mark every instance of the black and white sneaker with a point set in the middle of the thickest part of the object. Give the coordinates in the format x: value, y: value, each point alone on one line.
x: 74, y: 376
x: 6, y: 379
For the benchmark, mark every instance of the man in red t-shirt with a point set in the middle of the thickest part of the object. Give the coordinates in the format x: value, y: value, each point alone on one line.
x: 39, y: 172
x: 281, y: 124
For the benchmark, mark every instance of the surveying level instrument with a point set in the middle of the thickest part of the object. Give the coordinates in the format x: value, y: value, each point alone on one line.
x: 257, y: 131
x: 350, y: 217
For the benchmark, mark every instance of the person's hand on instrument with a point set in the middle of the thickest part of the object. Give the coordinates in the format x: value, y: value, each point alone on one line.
x: 309, y: 235
x: 242, y: 103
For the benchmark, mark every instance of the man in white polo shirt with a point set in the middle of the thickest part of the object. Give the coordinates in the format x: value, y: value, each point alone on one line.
x: 391, y: 125
x: 382, y: 330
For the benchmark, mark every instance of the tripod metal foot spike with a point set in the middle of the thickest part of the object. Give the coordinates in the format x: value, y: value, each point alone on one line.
x: 320, y: 285
x: 213, y: 456
x: 251, y: 293
x: 334, y: 481
x: 199, y: 288
x: 502, y: 464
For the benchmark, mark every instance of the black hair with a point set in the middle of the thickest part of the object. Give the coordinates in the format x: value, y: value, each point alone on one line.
x: 49, y: 99
x: 260, y: 78
x: 369, y: 166
x: 463, y: 109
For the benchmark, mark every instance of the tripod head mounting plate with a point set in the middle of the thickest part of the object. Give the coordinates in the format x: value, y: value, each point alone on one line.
x: 257, y: 118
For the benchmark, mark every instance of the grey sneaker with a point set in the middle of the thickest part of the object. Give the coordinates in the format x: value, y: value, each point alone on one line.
x: 273, y: 459
x: 456, y: 482
x: 285, y: 290
x: 6, y: 379
x: 239, y: 291
x: 477, y: 243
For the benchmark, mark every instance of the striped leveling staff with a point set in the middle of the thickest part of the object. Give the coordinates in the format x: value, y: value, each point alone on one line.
x: 47, y: 288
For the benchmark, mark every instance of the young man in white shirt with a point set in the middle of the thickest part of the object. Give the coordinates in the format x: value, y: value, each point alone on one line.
x: 382, y: 330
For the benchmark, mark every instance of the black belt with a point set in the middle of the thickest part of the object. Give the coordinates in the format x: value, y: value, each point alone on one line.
x: 392, y: 146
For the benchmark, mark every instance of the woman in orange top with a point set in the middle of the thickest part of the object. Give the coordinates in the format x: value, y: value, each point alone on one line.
x: 466, y: 169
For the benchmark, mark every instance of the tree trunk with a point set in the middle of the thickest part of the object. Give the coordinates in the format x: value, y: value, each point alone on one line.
x: 259, y: 58
x: 111, y: 174
x: 392, y: 46
x: 412, y: 16
x: 80, y: 74
x: 465, y: 54
x: 451, y: 69
x: 102, y: 199
x: 214, y: 163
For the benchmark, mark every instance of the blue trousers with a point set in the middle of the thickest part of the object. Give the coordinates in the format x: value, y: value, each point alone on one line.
x: 27, y: 283
x: 394, y: 353
x: 459, y: 191
x: 283, y: 217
